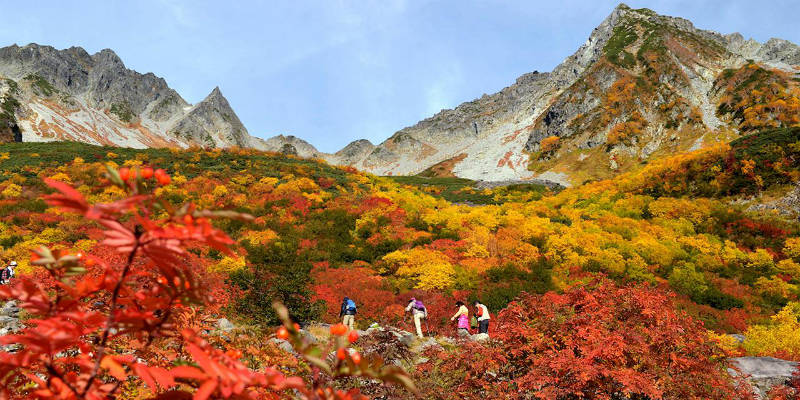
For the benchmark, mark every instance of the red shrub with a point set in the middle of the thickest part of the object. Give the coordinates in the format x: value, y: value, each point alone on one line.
x: 114, y: 318
x: 366, y: 288
x: 599, y: 341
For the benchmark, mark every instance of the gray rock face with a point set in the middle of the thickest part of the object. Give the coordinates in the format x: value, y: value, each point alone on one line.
x: 773, y: 51
x: 288, y: 145
x: 764, y: 372
x: 788, y: 205
x: 9, y: 323
x: 102, y: 76
x: 212, y: 122
x: 353, y: 153
x: 95, y: 98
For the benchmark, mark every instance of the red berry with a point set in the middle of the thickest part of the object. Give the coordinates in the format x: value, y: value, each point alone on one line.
x: 187, y: 219
x: 355, y: 357
x: 341, y: 354
x: 124, y: 174
x: 352, y: 337
x: 147, y: 173
x: 339, y: 330
x: 162, y: 177
x: 296, y: 326
x: 283, y: 333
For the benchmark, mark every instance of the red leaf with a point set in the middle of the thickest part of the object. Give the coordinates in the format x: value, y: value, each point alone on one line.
x: 206, y: 390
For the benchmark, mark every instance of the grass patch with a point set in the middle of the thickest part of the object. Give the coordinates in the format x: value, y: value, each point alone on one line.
x: 122, y: 111
x: 40, y: 85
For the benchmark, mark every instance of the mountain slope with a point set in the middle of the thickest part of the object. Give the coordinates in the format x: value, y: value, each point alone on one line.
x: 642, y: 85
x: 72, y: 95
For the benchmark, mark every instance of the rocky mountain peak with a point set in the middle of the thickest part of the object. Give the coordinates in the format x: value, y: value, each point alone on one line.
x: 642, y: 84
x: 69, y: 94
x: 213, y: 122
x: 108, y: 57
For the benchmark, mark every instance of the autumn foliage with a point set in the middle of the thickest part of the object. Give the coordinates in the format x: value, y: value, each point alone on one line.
x: 100, y: 326
x: 596, y: 341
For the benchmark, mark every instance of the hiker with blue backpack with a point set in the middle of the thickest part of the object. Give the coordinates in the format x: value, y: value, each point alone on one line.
x: 348, y: 311
x: 419, y: 312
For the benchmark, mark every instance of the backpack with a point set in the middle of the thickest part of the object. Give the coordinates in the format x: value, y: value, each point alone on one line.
x: 351, y: 305
x: 418, y: 305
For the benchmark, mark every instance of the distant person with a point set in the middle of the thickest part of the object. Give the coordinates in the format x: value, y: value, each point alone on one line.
x: 483, y: 317
x: 418, y: 311
x: 463, y: 319
x: 8, y: 272
x: 348, y: 311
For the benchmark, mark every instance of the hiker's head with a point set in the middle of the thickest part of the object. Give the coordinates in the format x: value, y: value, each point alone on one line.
x: 345, y: 298
x: 12, y: 264
x: 476, y: 303
x: 459, y: 303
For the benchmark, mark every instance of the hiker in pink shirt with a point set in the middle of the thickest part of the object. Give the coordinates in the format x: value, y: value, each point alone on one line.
x: 463, y: 319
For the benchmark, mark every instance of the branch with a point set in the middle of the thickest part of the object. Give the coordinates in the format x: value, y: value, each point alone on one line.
x: 101, y: 349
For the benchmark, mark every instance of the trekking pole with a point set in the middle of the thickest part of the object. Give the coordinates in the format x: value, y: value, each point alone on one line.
x: 427, y: 328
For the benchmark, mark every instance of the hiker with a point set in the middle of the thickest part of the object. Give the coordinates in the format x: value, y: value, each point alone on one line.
x: 463, y: 319
x: 419, y: 312
x: 7, y: 273
x: 348, y: 311
x: 483, y: 317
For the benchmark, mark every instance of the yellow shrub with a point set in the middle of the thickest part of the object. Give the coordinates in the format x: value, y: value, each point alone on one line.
x: 792, y: 247
x: 61, y: 177
x: 11, y: 191
x: 229, y: 264
x: 220, y: 191
x: 777, y: 338
x: 430, y: 269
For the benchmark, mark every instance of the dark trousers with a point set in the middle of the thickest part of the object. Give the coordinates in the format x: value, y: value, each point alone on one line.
x: 483, y: 326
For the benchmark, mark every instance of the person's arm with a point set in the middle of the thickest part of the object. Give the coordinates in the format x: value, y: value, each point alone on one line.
x: 408, y: 307
x: 341, y: 310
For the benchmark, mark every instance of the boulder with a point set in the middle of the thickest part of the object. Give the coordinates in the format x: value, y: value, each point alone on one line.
x: 764, y: 372
x: 223, y: 325
x: 480, y: 337
x: 283, y: 345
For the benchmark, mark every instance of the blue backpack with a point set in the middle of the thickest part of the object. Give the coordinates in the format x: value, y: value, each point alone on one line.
x: 351, y: 305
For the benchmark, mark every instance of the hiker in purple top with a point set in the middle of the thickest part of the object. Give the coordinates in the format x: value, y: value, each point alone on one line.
x: 419, y: 312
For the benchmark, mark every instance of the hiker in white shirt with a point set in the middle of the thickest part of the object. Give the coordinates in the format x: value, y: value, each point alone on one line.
x: 483, y: 317
x: 8, y: 272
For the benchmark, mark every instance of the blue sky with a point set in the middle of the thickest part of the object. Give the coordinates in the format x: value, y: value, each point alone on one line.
x: 334, y: 71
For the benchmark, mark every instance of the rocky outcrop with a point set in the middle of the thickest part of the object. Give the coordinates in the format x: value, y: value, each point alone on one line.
x: 787, y: 205
x: 289, y: 145
x: 764, y: 372
x: 354, y: 153
x: 9, y: 322
x: 213, y: 123
x: 72, y: 95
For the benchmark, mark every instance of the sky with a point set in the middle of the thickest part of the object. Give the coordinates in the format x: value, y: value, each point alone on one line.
x: 333, y: 71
